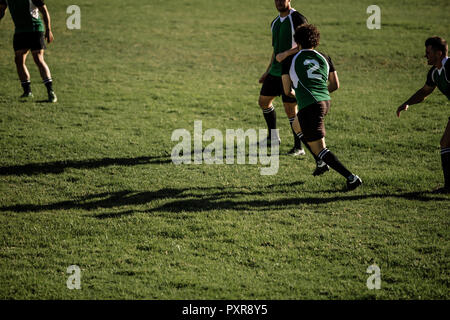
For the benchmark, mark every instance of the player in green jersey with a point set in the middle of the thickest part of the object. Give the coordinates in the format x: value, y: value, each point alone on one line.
x: 29, y: 35
x: 310, y: 72
x: 436, y: 53
x: 282, y: 28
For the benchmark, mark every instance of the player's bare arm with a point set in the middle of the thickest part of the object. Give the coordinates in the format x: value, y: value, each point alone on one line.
x: 263, y: 77
x: 47, y: 22
x: 416, y: 98
x: 283, y: 55
x: 287, y: 85
x: 2, y: 10
x: 333, y: 82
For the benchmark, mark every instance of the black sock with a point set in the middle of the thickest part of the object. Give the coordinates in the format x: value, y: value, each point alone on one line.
x: 297, y: 141
x: 302, y: 138
x: 271, y: 118
x: 445, y: 157
x: 331, y: 160
x: 26, y: 85
x: 49, y: 84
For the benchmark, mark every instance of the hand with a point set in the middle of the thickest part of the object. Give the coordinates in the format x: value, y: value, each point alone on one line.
x: 292, y: 94
x: 403, y: 107
x: 281, y: 56
x: 263, y: 77
x: 49, y: 36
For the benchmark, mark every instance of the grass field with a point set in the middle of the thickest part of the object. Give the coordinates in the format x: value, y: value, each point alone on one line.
x: 89, y: 181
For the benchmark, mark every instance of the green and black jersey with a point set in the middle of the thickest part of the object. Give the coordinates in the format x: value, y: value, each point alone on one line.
x: 25, y: 14
x: 440, y: 77
x: 283, y: 30
x: 309, y: 74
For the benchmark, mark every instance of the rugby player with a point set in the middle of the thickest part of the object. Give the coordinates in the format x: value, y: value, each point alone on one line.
x: 29, y: 35
x: 436, y: 52
x: 282, y: 28
x: 310, y: 72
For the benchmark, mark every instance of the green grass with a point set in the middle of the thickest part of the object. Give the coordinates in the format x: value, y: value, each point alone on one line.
x: 89, y: 180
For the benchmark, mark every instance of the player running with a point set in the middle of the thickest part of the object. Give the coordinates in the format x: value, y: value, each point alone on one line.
x: 310, y: 72
x: 29, y: 35
x: 438, y: 76
x: 282, y: 39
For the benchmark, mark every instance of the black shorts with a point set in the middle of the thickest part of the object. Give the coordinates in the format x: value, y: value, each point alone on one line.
x: 29, y: 41
x: 311, y: 120
x: 273, y: 87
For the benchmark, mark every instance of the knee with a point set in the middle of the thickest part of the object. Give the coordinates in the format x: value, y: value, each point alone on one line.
x: 290, y: 114
x: 291, y: 110
x: 445, y: 143
x: 263, y: 103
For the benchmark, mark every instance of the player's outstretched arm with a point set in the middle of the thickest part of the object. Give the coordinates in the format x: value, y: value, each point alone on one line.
x: 417, y: 97
x: 333, y: 81
x: 283, y: 55
x: 3, y: 7
x: 47, y: 22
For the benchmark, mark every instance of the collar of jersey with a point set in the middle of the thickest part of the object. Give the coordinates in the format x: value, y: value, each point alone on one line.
x: 284, y: 18
x: 308, y: 50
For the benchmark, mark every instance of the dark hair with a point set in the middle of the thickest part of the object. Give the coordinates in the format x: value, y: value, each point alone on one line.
x: 438, y: 44
x: 307, y: 36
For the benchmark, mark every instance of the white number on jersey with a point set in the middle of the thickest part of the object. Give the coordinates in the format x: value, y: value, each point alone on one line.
x: 316, y: 66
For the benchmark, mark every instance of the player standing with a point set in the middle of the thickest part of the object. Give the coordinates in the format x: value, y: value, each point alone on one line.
x: 309, y: 73
x: 282, y: 39
x: 30, y: 33
x: 436, y: 53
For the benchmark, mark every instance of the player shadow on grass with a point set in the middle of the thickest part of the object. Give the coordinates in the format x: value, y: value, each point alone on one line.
x: 57, y: 167
x: 128, y: 198
x: 200, y: 199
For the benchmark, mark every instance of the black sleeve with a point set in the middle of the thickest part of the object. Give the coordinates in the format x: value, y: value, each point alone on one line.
x: 38, y: 3
x: 330, y: 62
x: 3, y: 2
x: 298, y: 19
x: 430, y: 81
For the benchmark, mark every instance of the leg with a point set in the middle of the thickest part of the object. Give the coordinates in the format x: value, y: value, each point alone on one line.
x: 24, y: 76
x: 20, y: 59
x: 38, y: 56
x: 265, y: 103
x: 321, y: 167
x: 291, y: 111
x: 445, y: 156
x: 312, y: 121
x: 319, y: 148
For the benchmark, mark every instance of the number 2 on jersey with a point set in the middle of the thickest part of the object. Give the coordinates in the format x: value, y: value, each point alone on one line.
x: 316, y: 66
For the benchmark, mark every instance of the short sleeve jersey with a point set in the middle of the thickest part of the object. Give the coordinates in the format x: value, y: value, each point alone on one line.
x: 309, y: 74
x: 283, y: 30
x: 25, y: 14
x: 440, y: 77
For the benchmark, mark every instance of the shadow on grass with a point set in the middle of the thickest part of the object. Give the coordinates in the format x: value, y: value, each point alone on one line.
x: 57, y: 167
x: 203, y: 199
